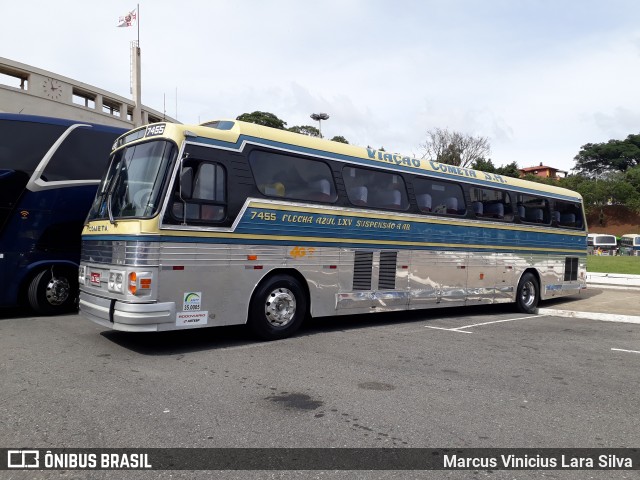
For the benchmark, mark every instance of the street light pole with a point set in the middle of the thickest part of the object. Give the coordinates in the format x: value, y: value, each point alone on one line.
x: 318, y: 117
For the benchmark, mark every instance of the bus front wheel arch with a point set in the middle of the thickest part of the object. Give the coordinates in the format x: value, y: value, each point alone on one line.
x: 53, y: 290
x: 277, y: 308
x: 528, y: 293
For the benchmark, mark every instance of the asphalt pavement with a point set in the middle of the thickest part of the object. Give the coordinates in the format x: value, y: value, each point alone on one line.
x: 608, y: 297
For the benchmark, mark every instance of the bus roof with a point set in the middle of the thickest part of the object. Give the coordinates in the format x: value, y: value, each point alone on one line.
x: 234, y: 135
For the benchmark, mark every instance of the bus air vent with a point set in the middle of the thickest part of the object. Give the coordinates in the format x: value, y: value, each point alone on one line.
x: 362, y: 266
x: 388, y: 265
x: 570, y: 269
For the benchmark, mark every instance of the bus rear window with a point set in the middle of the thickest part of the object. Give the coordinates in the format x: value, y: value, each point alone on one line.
x: 568, y: 214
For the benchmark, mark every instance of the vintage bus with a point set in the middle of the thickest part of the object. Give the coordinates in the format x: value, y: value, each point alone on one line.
x: 630, y: 244
x: 602, y: 244
x: 231, y: 223
x: 49, y: 172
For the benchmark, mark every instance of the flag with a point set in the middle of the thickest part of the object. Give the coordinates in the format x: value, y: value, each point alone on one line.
x: 128, y: 20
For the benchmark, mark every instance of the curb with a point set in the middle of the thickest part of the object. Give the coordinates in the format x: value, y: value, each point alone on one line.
x: 603, y: 317
x: 613, y: 279
x: 608, y: 286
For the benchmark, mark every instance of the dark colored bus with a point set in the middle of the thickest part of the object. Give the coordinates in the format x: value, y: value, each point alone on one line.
x: 49, y: 171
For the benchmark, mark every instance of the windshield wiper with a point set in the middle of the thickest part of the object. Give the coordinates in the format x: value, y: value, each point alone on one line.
x: 112, y: 188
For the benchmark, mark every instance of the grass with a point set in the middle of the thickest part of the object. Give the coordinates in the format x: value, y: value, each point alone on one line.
x: 621, y: 264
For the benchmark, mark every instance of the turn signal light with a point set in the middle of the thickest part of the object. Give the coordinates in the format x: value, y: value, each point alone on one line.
x: 139, y: 283
x: 133, y: 283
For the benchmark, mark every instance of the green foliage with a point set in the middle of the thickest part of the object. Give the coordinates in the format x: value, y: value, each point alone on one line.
x: 614, y: 155
x: 485, y: 165
x: 509, y: 170
x: 263, y: 118
x: 306, y: 130
x: 339, y: 139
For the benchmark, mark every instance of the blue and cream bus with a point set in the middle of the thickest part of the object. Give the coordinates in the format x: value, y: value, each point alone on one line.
x: 630, y: 244
x: 231, y: 223
x: 49, y: 172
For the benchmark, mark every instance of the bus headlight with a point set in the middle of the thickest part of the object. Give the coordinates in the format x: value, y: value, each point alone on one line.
x: 116, y: 281
x: 82, y: 274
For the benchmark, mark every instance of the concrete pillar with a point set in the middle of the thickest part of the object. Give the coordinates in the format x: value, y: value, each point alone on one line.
x: 137, y: 85
x: 98, y: 103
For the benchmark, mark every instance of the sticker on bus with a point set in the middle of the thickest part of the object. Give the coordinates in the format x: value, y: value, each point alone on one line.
x: 192, y: 318
x: 192, y: 301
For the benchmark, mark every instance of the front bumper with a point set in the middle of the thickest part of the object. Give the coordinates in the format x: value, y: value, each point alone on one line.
x: 128, y: 317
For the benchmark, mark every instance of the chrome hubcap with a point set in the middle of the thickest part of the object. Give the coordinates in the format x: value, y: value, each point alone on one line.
x: 280, y: 307
x: 528, y: 293
x: 58, y: 290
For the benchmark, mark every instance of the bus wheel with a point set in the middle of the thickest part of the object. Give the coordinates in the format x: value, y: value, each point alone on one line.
x: 277, y: 308
x: 50, y: 294
x: 528, y: 294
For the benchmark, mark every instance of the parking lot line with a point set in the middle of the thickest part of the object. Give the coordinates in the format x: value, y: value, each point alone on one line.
x: 623, y: 350
x: 460, y: 329
x: 448, y: 329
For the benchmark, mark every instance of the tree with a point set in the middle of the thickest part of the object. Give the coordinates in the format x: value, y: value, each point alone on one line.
x: 306, y: 130
x: 483, y: 165
x: 509, y: 170
x: 454, y: 148
x: 614, y: 155
x: 340, y: 139
x: 263, y: 118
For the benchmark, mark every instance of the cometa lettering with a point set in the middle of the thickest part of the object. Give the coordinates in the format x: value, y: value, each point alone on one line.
x: 465, y: 172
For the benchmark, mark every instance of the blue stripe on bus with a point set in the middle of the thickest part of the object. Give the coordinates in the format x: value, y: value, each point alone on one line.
x: 346, y: 244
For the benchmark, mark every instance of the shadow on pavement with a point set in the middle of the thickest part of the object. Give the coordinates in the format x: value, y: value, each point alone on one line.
x: 187, y: 341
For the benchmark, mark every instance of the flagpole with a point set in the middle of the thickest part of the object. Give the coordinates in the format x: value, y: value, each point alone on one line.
x: 138, y: 7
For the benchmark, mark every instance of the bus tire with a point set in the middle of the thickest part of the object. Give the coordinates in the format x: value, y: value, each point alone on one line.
x: 50, y: 294
x: 277, y: 308
x: 528, y: 293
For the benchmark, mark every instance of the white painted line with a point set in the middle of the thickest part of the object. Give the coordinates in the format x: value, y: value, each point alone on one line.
x: 623, y: 350
x: 448, y: 329
x: 460, y: 329
x: 501, y: 321
x: 604, y: 317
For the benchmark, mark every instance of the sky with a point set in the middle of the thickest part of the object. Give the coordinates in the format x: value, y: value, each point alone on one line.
x: 539, y: 79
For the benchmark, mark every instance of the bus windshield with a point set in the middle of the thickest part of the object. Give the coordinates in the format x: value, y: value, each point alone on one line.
x: 133, y: 183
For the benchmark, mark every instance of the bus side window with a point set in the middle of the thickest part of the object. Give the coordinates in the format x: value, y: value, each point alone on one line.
x: 534, y: 209
x: 204, y: 192
x: 281, y: 175
x: 491, y: 204
x: 438, y: 197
